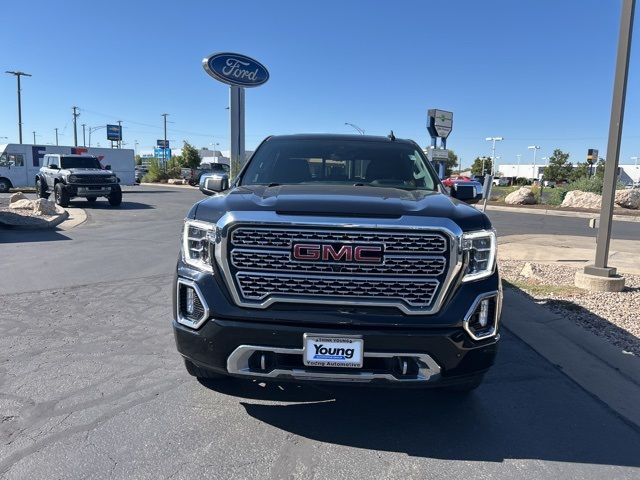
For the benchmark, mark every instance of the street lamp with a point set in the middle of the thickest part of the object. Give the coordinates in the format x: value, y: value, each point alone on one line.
x: 535, y: 149
x: 632, y: 158
x: 95, y: 129
x: 355, y: 127
x: 493, y: 151
x: 34, y: 137
x: 19, y: 74
x: 518, y: 167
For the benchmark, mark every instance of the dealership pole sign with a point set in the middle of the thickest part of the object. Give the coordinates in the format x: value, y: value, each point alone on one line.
x: 239, y: 72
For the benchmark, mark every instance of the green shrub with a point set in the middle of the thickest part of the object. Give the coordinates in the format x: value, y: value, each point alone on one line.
x: 586, y: 184
x: 156, y: 173
x: 522, y: 181
x: 556, y: 196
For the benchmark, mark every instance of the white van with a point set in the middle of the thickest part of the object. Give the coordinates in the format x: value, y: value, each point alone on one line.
x: 19, y: 163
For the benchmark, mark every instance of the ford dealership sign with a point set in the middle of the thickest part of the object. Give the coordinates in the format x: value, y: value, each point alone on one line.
x: 235, y: 69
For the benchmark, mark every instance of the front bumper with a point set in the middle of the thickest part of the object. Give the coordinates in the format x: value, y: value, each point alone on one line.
x: 412, y: 350
x: 89, y: 190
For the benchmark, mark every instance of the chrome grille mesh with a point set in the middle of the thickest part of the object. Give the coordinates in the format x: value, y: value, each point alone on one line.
x: 261, y: 267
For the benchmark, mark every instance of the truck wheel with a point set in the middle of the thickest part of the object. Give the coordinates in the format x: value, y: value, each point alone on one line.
x: 92, y: 200
x: 466, y: 387
x: 115, y: 197
x: 199, y: 372
x: 61, y: 194
x: 5, y: 185
x: 41, y: 192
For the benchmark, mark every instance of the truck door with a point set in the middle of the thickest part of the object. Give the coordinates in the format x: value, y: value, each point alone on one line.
x: 14, y: 168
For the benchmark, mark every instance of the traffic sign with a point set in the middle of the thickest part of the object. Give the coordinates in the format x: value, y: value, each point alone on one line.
x: 592, y: 155
x: 440, y: 123
x: 162, y: 153
x: 439, y: 154
x: 162, y: 143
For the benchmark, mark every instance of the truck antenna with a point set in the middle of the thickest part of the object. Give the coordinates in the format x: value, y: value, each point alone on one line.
x: 392, y: 137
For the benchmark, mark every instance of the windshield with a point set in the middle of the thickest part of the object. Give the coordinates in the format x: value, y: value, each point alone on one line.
x: 335, y: 161
x: 80, y: 162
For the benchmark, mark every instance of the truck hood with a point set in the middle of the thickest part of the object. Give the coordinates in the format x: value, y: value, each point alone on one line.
x: 92, y: 171
x: 340, y: 201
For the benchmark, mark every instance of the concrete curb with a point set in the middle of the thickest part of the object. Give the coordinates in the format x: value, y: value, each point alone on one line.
x: 168, y: 185
x: 75, y: 217
x: 597, y: 366
x: 559, y: 213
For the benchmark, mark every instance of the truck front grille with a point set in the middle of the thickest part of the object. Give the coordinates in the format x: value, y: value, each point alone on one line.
x: 409, y: 272
x: 92, y: 179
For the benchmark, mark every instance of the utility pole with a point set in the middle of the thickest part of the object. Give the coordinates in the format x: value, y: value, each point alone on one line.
x: 34, y: 137
x: 75, y: 126
x: 56, y: 129
x: 84, y: 136
x: 120, y: 141
x: 600, y: 268
x: 164, y: 147
x: 19, y: 74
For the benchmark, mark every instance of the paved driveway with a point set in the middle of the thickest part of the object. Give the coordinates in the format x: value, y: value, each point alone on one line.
x: 91, y: 386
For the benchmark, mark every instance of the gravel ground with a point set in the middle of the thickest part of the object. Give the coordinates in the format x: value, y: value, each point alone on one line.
x: 613, y: 316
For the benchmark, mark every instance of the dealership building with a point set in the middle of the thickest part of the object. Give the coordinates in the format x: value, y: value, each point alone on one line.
x: 627, y: 173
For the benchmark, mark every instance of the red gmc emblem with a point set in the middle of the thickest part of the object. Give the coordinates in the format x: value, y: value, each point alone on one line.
x: 314, y: 252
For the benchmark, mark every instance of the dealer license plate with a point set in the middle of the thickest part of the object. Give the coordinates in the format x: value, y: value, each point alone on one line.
x: 333, y: 351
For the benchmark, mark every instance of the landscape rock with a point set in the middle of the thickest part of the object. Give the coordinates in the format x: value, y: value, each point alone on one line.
x: 522, y: 196
x: 17, y: 196
x: 579, y: 199
x: 176, y: 181
x: 22, y: 204
x: 43, y: 206
x: 628, y: 198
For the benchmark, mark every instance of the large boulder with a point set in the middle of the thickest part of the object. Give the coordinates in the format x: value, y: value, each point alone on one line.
x: 579, y: 199
x: 522, y: 196
x: 21, y: 204
x: 176, y: 181
x: 43, y: 206
x: 628, y: 198
x: 17, y: 196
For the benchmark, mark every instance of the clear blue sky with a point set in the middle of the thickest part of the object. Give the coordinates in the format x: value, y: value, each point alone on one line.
x: 531, y: 71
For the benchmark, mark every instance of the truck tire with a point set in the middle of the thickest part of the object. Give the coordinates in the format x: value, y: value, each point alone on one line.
x: 115, y: 197
x: 61, y: 195
x: 5, y: 185
x: 40, y: 191
x: 467, y: 386
x: 199, y: 372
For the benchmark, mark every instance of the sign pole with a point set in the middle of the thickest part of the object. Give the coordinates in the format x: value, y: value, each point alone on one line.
x: 236, y: 117
x: 600, y: 267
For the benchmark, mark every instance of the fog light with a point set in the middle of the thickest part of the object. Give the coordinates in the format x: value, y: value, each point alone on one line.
x: 483, y: 317
x: 190, y: 301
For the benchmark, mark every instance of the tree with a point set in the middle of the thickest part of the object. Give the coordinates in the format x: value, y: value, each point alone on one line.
x: 479, y: 163
x: 559, y: 167
x: 190, y: 156
x: 451, y: 164
x: 138, y: 160
x: 581, y: 170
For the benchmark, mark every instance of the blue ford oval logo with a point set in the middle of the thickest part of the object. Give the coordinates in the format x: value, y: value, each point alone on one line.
x: 235, y: 69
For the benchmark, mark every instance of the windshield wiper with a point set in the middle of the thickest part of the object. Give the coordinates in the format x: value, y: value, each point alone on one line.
x: 273, y: 185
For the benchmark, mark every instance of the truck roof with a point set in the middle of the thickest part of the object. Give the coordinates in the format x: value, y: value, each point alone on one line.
x: 337, y: 136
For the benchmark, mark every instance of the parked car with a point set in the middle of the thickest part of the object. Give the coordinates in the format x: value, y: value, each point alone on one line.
x: 141, y: 171
x: 192, y: 175
x: 502, y: 181
x: 303, y: 271
x: 70, y: 176
x: 448, y: 182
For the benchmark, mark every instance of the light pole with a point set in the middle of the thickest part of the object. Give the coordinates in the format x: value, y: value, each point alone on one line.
x: 636, y: 160
x: 94, y: 129
x: 518, y: 167
x: 19, y: 74
x: 56, y: 129
x: 34, y: 137
x: 493, y: 151
x: 75, y: 126
x: 164, y: 147
x: 135, y: 148
x: 84, y: 136
x: 355, y: 127
x: 535, y: 149
x: 120, y: 141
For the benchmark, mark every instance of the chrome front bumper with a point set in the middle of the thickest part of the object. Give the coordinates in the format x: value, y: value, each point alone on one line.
x: 238, y: 364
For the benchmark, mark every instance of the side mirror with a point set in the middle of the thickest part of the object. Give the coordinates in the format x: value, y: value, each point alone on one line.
x: 54, y: 166
x: 468, y: 192
x: 107, y: 167
x: 211, y: 184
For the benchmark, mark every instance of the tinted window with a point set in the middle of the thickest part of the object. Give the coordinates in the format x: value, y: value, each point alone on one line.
x: 331, y: 161
x: 80, y: 162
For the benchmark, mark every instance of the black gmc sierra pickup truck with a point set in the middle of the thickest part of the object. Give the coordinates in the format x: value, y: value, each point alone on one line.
x: 338, y: 258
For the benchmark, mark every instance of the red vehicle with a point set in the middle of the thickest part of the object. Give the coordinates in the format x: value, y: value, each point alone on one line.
x: 448, y: 182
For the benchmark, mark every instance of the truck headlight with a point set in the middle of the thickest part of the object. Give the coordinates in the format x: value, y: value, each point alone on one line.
x: 112, y: 179
x: 480, y: 254
x: 196, y: 245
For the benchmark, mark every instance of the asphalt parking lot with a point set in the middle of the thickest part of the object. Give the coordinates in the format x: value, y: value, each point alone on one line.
x: 91, y: 385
